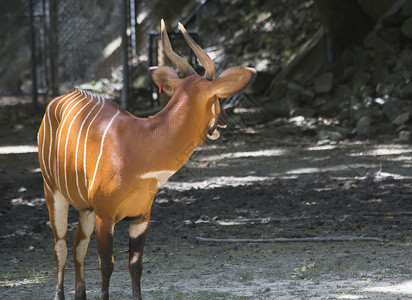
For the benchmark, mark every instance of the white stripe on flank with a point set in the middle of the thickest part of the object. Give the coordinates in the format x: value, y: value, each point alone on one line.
x: 51, y: 131
x: 67, y: 135
x: 77, y: 148
x: 47, y: 173
x: 66, y: 102
x: 47, y: 185
x: 59, y: 131
x: 85, y: 143
x: 101, y: 147
x: 67, y: 141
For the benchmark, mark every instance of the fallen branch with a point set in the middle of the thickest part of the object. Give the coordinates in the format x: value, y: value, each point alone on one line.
x: 260, y: 220
x: 294, y: 240
x: 388, y: 214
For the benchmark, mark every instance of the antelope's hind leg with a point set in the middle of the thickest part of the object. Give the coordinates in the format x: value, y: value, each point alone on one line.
x: 58, y: 212
x: 104, y: 235
x: 137, y: 240
x: 81, y: 243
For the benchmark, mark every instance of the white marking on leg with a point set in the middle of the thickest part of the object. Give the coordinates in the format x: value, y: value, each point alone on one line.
x: 86, y: 221
x: 160, y: 176
x: 61, y: 253
x: 61, y: 208
x: 85, y: 143
x: 135, y: 258
x: 101, y: 148
x: 81, y: 251
x: 137, y: 229
x: 86, y: 225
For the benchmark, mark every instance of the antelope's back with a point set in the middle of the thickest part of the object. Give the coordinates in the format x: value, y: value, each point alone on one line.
x: 70, y: 141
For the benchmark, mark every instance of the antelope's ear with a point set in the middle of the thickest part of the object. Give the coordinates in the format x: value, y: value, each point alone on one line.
x: 165, y: 78
x: 232, y: 81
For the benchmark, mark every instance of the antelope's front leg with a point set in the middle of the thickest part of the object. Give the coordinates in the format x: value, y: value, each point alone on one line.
x: 104, y: 234
x: 137, y: 239
x: 81, y: 242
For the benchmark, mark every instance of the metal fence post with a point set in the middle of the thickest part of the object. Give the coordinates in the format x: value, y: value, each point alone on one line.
x: 125, y: 58
x: 33, y: 56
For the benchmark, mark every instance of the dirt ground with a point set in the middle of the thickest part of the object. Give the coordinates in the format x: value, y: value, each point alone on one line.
x: 262, y: 182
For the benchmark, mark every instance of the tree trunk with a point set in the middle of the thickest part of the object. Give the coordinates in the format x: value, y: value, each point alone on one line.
x: 346, y: 23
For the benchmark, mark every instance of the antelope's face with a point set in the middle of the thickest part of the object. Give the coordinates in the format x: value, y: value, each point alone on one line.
x: 203, y: 91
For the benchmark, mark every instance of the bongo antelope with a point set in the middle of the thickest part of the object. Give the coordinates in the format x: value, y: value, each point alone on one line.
x: 109, y: 164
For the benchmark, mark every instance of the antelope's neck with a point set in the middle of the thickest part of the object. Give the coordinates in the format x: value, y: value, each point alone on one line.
x: 178, y: 129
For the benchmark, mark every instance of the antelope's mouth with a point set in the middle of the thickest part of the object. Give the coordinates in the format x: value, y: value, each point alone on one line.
x: 213, y: 133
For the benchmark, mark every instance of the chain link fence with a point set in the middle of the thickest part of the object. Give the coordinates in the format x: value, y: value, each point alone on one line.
x: 54, y: 45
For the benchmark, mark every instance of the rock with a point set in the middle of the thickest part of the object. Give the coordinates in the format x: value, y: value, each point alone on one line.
x: 394, y: 78
x: 375, y: 9
x: 306, y: 112
x: 308, y: 94
x: 278, y: 92
x: 324, y: 83
x: 261, y: 84
x: 359, y: 80
x: 383, y: 89
x: 330, y: 135
x: 392, y: 109
x: 390, y: 35
x: 406, y: 91
x: 295, y: 86
x: 348, y: 73
x: 373, y: 41
x: 407, y: 28
x: 407, y: 9
x: 401, y: 119
x: 262, y: 65
x: 363, y: 126
x: 278, y: 108
x: 379, y: 74
x: 404, y: 135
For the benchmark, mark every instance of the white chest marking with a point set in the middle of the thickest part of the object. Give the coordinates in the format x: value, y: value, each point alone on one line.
x: 160, y: 176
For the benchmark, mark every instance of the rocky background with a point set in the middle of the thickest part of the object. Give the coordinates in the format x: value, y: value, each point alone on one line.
x: 305, y: 77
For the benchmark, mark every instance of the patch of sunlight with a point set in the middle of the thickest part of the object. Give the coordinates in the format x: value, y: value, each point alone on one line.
x: 349, y: 296
x: 260, y: 153
x: 141, y: 16
x: 112, y: 47
x: 305, y: 171
x: 322, y: 147
x: 230, y: 223
x: 18, y: 149
x: 32, y: 202
x: 215, y: 182
x: 404, y: 288
x: 383, y: 151
x: 20, y: 282
x: 400, y: 158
